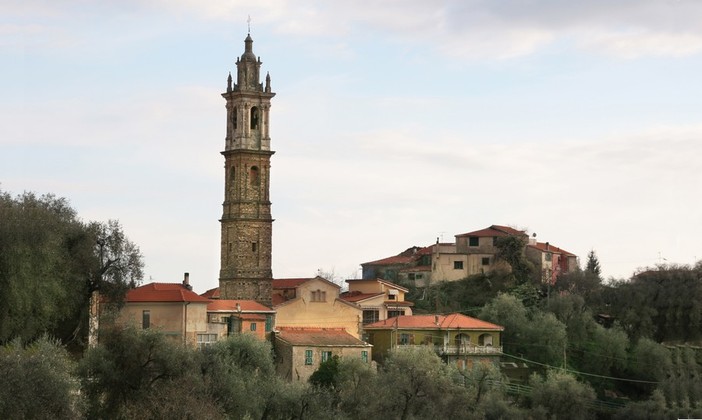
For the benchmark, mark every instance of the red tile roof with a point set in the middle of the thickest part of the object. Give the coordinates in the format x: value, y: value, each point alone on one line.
x: 318, y: 337
x: 277, y: 299
x: 550, y: 248
x: 434, y: 322
x: 230, y: 305
x: 397, y: 259
x: 494, y: 230
x: 211, y: 294
x: 163, y: 292
x: 288, y: 283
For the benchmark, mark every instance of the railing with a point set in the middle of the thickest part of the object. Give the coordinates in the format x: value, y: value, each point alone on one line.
x: 468, y: 349
x: 442, y: 350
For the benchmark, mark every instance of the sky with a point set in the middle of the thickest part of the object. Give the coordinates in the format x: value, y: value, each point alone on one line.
x: 394, y: 123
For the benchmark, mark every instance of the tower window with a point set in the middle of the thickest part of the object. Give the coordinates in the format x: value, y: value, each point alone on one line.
x: 254, y: 118
x: 234, y: 117
x: 253, y: 175
x: 232, y: 173
x: 254, y: 246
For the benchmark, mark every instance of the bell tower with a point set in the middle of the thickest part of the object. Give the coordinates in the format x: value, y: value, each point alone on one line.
x: 247, y: 226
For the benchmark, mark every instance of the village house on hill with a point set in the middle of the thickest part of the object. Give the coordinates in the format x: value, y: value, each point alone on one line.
x: 472, y: 253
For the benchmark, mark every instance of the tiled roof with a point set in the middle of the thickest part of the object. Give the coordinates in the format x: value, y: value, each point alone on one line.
x: 357, y: 296
x: 434, y: 322
x: 397, y: 259
x: 318, y: 337
x: 398, y: 303
x: 230, y: 305
x: 163, y: 292
x: 211, y: 294
x: 277, y: 299
x: 288, y: 283
x: 550, y: 248
x: 494, y: 230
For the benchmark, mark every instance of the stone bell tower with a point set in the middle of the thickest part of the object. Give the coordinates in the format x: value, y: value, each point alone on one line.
x: 247, y: 226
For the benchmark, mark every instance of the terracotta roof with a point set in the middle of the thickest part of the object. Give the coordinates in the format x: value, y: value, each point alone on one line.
x: 288, y: 283
x: 397, y: 259
x: 255, y: 317
x: 494, y: 230
x: 229, y: 305
x: 434, y: 322
x: 357, y: 296
x: 318, y: 337
x: 211, y: 294
x: 277, y: 299
x: 163, y: 292
x: 550, y: 248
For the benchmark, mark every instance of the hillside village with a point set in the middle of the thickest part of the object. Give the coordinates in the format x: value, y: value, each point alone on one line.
x: 311, y: 320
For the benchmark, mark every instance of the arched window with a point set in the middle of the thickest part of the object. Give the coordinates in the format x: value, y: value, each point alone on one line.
x: 253, y: 175
x: 254, y: 118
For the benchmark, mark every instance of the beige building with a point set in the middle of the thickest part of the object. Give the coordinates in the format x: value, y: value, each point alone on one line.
x: 471, y: 253
x: 172, y: 308
x: 299, y: 351
x: 379, y: 299
x: 314, y: 303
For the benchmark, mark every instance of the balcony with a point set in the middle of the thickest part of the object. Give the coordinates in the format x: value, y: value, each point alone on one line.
x: 467, y: 350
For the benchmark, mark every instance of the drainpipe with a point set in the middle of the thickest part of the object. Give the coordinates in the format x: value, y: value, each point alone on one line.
x: 185, y: 322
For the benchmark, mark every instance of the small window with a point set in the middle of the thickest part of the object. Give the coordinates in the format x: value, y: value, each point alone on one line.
x: 269, y: 323
x: 370, y: 316
x: 145, y: 319
x: 254, y: 118
x: 392, y: 297
x: 326, y: 355
x: 254, y: 246
x: 549, y: 256
x: 486, y: 260
x: 253, y: 326
x: 308, y: 357
x: 393, y: 314
x: 473, y: 241
x: 458, y: 265
x: 410, y: 276
x: 206, y: 340
x: 404, y: 338
x: 253, y: 175
x: 364, y: 356
x: 234, y: 117
x: 418, y: 276
x: 319, y: 296
x: 232, y: 174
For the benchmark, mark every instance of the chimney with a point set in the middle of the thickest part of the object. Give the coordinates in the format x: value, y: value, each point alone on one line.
x: 186, y: 281
x: 547, y: 246
x: 436, y: 319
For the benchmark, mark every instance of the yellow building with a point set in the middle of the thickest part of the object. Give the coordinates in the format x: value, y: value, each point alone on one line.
x: 457, y: 338
x: 314, y: 303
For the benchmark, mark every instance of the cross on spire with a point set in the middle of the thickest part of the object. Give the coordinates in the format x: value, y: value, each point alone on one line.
x: 248, y: 22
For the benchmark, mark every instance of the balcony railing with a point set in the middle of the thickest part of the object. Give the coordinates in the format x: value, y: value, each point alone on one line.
x: 446, y: 350
x: 467, y: 349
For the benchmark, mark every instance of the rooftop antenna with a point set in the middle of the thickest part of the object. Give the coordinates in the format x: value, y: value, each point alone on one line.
x: 248, y: 22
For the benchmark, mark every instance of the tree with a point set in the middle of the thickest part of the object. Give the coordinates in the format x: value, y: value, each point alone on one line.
x: 129, y: 366
x: 38, y: 381
x: 510, y: 249
x: 51, y: 262
x: 593, y: 264
x: 561, y: 396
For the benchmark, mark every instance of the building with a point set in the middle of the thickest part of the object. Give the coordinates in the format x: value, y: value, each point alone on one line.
x: 227, y: 316
x: 172, y: 308
x: 379, y: 299
x: 472, y: 253
x: 299, y: 350
x: 550, y: 260
x: 246, y: 224
x: 314, y: 303
x: 456, y: 338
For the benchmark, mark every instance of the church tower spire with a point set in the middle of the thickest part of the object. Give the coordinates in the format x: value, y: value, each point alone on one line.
x: 247, y: 226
